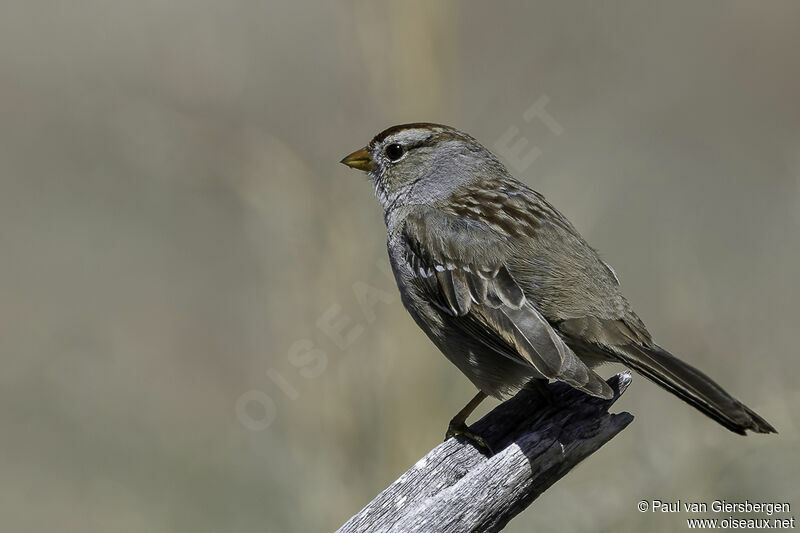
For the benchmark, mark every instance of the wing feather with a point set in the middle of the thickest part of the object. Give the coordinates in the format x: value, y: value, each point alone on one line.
x: 473, y: 284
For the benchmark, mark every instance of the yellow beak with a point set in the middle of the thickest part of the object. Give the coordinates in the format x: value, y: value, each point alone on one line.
x: 360, y: 159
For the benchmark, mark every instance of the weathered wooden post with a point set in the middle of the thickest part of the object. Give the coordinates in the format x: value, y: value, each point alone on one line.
x: 457, y: 487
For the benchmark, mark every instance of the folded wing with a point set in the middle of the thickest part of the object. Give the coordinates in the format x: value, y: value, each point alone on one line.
x: 462, y: 262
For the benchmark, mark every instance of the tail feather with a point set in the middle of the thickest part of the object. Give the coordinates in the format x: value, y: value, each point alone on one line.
x: 692, y: 386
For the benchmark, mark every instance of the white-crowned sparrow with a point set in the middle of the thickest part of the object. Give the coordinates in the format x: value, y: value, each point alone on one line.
x: 504, y: 285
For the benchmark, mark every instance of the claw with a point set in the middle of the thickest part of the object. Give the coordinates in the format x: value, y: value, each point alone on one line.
x: 454, y: 430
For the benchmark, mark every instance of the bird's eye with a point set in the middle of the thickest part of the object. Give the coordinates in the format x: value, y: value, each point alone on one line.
x: 394, y: 151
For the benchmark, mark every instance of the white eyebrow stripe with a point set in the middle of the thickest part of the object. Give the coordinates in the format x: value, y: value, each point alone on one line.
x: 410, y: 136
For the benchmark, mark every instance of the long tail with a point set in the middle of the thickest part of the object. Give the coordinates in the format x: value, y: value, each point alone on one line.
x: 693, y: 387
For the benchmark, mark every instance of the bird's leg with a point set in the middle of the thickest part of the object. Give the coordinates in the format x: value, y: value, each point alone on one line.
x: 458, y: 425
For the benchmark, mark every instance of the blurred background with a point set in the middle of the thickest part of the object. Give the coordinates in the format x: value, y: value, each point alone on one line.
x: 185, y: 338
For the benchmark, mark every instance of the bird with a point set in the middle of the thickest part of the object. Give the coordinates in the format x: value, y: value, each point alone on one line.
x: 505, y: 286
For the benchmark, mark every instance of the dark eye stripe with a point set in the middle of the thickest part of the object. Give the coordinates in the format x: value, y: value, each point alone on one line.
x: 395, y: 151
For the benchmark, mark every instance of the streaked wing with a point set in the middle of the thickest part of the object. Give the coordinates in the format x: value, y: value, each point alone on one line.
x: 462, y: 264
x: 586, y: 304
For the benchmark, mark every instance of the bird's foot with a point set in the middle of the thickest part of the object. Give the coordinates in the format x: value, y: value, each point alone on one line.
x: 455, y: 429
